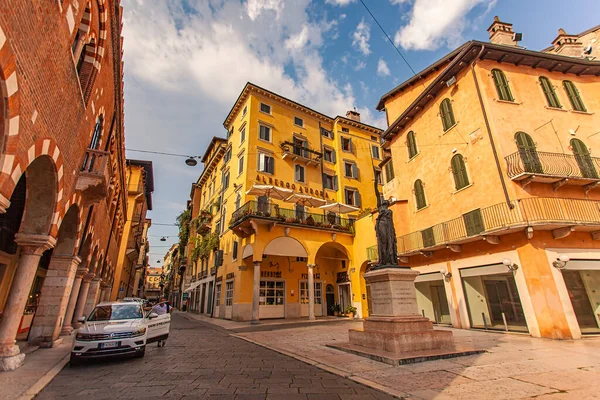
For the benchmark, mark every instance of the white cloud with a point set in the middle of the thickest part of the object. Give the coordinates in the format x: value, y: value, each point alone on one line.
x: 342, y: 17
x: 339, y: 2
x: 298, y: 41
x: 256, y: 7
x: 360, y: 65
x: 382, y: 68
x: 361, y: 36
x: 434, y: 23
x: 398, y: 2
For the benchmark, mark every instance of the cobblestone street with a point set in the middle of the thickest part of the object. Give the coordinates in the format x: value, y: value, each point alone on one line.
x: 201, y: 361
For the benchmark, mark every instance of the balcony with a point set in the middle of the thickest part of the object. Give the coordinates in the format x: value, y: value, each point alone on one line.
x: 299, y: 153
x: 528, y: 166
x: 213, y: 271
x: 93, y: 178
x: 561, y: 216
x: 372, y: 254
x: 244, y: 218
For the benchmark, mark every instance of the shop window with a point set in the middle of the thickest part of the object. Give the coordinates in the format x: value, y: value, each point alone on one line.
x: 229, y: 293
x: 304, y: 292
x: 582, y: 285
x: 218, y: 295
x: 272, y: 293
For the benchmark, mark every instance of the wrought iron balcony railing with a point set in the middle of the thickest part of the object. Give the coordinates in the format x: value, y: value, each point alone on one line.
x: 301, y: 153
x: 254, y: 209
x: 552, y: 166
x: 500, y: 218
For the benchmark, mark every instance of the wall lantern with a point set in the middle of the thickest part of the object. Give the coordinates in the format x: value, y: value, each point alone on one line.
x: 447, y: 275
x: 561, y: 261
x: 511, y: 266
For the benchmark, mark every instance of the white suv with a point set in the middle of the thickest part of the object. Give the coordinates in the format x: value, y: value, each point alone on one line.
x: 119, y: 329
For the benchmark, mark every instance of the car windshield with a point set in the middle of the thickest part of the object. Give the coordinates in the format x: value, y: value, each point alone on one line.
x: 116, y: 312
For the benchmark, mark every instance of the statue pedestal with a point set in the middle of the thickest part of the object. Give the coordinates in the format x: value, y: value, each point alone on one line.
x: 395, y: 332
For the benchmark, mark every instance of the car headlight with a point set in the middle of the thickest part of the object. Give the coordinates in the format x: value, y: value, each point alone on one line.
x: 83, y: 336
x: 138, y: 332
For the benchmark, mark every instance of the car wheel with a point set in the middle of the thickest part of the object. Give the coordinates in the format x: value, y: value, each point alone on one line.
x: 74, y: 360
x: 140, y: 353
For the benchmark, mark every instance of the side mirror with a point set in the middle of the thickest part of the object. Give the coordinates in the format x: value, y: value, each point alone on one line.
x: 81, y: 319
x: 153, y: 315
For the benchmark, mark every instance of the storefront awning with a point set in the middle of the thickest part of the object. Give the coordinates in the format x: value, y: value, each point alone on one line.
x: 192, y: 287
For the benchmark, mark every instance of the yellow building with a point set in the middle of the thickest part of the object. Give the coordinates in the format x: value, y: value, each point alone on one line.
x: 496, y: 184
x: 140, y: 185
x: 272, y: 249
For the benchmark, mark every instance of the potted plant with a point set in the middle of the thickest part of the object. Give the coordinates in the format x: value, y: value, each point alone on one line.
x: 336, y: 309
x: 351, y: 310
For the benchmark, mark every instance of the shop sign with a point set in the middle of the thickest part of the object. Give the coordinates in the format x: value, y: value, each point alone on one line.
x: 270, y: 274
x: 342, y: 277
x: 230, y: 275
x: 186, y: 296
x: 269, y: 180
x: 317, y: 276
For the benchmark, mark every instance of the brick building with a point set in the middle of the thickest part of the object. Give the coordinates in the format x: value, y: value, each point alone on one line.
x: 62, y: 165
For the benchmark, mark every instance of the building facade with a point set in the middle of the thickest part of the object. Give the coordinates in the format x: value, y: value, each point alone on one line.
x: 490, y: 160
x: 62, y: 191
x: 255, y: 256
x: 152, y: 284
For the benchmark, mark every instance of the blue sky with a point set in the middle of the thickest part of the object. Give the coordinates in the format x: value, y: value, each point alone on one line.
x: 187, y: 60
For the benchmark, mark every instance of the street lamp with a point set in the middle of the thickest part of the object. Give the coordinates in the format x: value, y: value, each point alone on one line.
x: 561, y: 261
x: 163, y: 239
x: 191, y: 162
x: 511, y: 266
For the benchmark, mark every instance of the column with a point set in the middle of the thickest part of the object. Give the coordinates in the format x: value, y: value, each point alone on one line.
x: 256, y: 293
x: 136, y: 282
x: 67, y: 328
x: 32, y: 247
x: 311, y: 292
x: 50, y: 313
x: 81, y: 299
x: 93, y: 295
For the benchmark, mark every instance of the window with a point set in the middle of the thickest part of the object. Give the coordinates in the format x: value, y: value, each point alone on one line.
x: 550, y: 93
x: 411, y: 144
x: 299, y: 173
x: 272, y: 293
x: 229, y: 293
x: 327, y: 133
x: 234, y: 250
x: 389, y: 171
x: 230, y: 133
x: 583, y: 159
x: 238, y: 201
x: 352, y: 197
x: 502, y: 85
x: 227, y: 156
x: 574, y: 97
x: 459, y: 171
x: 225, y: 180
x: 218, y: 295
x: 299, y: 122
x: 265, y: 108
x: 243, y: 135
x: 378, y: 177
x: 330, y: 182
x: 345, y: 130
x: 528, y: 153
x: 329, y: 155
x: 240, y: 165
x: 375, y: 152
x: 218, y: 227
x: 447, y: 114
x: 428, y: 237
x: 473, y: 222
x: 304, y: 292
x: 265, y: 133
x: 266, y: 163
x: 347, y: 144
x: 420, y: 194
x: 244, y: 111
x: 374, y: 138
x: 350, y: 170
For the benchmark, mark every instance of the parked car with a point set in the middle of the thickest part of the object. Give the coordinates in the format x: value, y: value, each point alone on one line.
x: 116, y: 329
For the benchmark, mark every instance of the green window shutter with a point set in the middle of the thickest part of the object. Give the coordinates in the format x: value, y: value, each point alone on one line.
x: 420, y: 194
x: 459, y: 171
x: 502, y: 87
x: 549, y: 92
x: 473, y: 222
x: 411, y: 144
x: 574, y: 97
x: 447, y: 114
x: 389, y: 171
x: 428, y: 237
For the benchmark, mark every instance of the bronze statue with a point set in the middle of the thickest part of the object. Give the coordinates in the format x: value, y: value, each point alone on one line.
x: 387, y: 248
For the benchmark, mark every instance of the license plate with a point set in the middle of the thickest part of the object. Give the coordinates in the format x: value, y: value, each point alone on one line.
x: 108, y: 345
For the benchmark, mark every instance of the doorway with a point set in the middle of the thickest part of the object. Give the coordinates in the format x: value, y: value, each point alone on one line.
x: 329, y: 298
x: 582, y: 287
x: 345, y: 297
x: 210, y: 298
x: 202, y: 297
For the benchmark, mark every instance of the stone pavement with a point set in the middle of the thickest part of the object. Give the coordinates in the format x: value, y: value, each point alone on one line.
x: 514, y: 366
x: 203, y: 361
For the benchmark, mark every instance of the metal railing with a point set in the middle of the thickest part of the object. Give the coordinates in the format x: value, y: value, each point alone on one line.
x: 372, y: 254
x: 273, y: 211
x: 552, y: 164
x: 307, y: 153
x: 525, y: 212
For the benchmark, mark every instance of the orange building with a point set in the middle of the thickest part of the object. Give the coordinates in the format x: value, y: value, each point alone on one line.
x: 496, y: 187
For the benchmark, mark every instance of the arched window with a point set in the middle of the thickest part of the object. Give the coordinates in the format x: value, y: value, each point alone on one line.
x: 459, y: 171
x: 550, y: 93
x: 85, y: 65
x: 95, y: 142
x: 420, y: 194
x: 574, y: 97
x: 528, y: 153
x: 585, y: 162
x: 411, y: 143
x: 447, y: 114
x: 502, y: 85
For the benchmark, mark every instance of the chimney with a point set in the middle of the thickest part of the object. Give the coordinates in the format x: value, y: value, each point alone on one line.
x: 567, y: 45
x: 353, y: 115
x: 502, y: 33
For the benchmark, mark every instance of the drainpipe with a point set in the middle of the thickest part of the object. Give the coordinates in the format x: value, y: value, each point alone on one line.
x: 489, y: 131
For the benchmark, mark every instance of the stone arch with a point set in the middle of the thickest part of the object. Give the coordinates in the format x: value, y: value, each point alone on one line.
x: 285, y: 246
x: 92, y: 259
x: 82, y: 31
x: 100, y: 49
x: 330, y: 249
x: 247, y: 252
x: 68, y: 232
